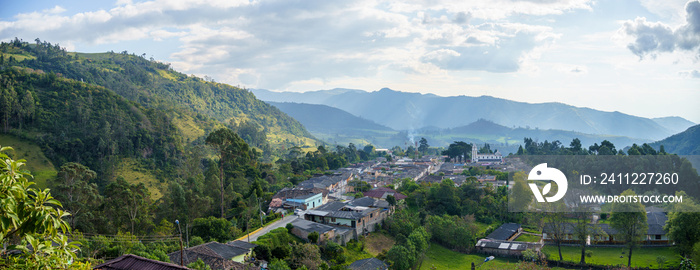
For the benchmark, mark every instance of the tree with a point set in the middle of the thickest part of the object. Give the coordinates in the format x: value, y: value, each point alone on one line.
x: 521, y: 194
x: 229, y: 145
x: 8, y: 98
x: 307, y: 255
x: 557, y: 225
x: 131, y: 202
x: 584, y: 228
x: 313, y: 237
x: 73, y: 188
x: 629, y: 219
x: 33, y: 217
x: 400, y: 258
x: 682, y: 224
x: 423, y: 145
x: 391, y: 200
x: 214, y: 229
x: 26, y: 108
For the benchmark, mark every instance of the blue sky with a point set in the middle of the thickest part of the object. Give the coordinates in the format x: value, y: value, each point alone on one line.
x: 636, y: 57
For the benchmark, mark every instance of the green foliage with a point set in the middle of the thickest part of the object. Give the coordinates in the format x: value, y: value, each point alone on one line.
x: 687, y: 264
x: 682, y: 224
x: 31, y: 218
x: 277, y: 264
x: 661, y: 261
x: 313, y: 237
x: 400, y: 258
x: 199, y: 265
x: 530, y: 255
x: 214, y: 229
x: 630, y: 221
x: 196, y: 241
x: 305, y: 255
x: 128, y: 206
x: 333, y: 252
x: 453, y: 231
x: 79, y: 196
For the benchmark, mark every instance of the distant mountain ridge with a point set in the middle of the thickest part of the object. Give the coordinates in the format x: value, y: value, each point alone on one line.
x: 411, y: 111
x: 322, y: 117
x: 684, y: 143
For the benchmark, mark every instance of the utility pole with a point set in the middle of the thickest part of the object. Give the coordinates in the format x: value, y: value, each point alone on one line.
x: 182, y: 261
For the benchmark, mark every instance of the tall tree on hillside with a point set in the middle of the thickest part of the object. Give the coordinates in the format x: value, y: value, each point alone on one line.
x: 8, y: 98
x: 629, y: 219
x: 73, y: 188
x: 228, y: 144
x: 131, y: 202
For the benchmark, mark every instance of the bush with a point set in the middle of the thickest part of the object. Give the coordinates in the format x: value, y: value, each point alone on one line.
x: 196, y: 241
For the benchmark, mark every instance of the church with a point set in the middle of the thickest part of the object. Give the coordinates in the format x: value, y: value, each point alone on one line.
x: 488, y: 157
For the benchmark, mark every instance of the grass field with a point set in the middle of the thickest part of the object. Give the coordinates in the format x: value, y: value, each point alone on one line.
x: 376, y: 242
x: 132, y: 172
x: 440, y: 258
x: 484, y: 227
x: 41, y: 167
x: 641, y: 257
x: 528, y: 238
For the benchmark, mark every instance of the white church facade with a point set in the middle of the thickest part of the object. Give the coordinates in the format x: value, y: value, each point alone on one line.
x: 488, y: 157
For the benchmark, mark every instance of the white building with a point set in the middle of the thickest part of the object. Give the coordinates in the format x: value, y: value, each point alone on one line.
x: 476, y: 157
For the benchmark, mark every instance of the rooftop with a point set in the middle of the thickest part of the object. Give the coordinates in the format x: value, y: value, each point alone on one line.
x: 368, y: 264
x: 130, y: 261
x: 310, y: 226
x: 504, y: 232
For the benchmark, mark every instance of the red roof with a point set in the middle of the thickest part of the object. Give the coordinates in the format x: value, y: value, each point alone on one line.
x: 382, y: 192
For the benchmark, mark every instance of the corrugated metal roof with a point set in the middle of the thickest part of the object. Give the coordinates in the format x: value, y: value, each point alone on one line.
x: 130, y: 261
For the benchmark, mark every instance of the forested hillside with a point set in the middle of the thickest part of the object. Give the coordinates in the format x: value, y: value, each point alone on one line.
x: 137, y: 146
x: 153, y: 84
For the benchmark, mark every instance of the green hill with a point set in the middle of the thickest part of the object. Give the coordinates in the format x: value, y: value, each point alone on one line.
x: 154, y: 84
x: 37, y: 163
x: 684, y: 143
x: 109, y: 109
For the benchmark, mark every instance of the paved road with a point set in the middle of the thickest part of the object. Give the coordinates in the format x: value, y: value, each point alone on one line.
x: 277, y: 224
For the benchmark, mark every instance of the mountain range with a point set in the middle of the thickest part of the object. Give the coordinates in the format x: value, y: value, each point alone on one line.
x: 412, y: 111
x: 336, y: 126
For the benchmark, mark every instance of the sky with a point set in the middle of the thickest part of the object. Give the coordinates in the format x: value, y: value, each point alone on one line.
x: 637, y: 57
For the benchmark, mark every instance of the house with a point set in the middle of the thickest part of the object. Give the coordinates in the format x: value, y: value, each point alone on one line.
x: 505, y: 248
x: 506, y: 232
x: 130, y: 261
x: 309, y: 200
x: 486, y: 178
x: 214, y: 254
x: 242, y: 245
x: 368, y: 264
x: 360, y: 216
x: 383, y: 192
x: 656, y: 219
x: 281, y: 200
x: 303, y: 228
x: 333, y: 183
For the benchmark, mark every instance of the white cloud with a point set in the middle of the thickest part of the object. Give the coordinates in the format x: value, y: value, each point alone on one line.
x: 695, y: 74
x: 274, y: 44
x: 652, y: 38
